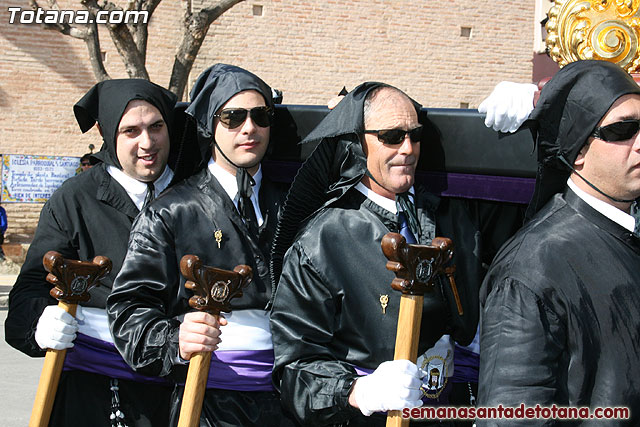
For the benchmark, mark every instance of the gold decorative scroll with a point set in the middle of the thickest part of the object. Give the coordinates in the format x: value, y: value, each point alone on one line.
x: 595, y: 29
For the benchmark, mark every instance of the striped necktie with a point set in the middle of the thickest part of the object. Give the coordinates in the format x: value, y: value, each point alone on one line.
x: 404, y: 228
x: 151, y: 194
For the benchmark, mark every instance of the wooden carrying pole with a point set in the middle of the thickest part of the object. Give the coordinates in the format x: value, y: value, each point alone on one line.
x: 72, y: 280
x: 415, y: 267
x: 213, y: 290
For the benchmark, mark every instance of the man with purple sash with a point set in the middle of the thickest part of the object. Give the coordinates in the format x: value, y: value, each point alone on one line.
x: 226, y: 215
x: 89, y: 215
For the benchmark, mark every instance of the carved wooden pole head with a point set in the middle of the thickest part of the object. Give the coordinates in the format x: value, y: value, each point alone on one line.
x: 72, y: 279
x: 415, y: 266
x: 213, y: 288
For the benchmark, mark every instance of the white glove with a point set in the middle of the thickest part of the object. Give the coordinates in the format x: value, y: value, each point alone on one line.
x: 393, y: 386
x: 56, y: 328
x: 508, y: 106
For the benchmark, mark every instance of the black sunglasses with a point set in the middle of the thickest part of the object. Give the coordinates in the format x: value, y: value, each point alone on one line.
x: 618, y: 131
x: 234, y: 117
x: 396, y: 136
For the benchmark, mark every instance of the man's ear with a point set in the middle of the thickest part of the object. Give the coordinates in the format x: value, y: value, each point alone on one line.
x: 579, y: 162
x: 99, y: 129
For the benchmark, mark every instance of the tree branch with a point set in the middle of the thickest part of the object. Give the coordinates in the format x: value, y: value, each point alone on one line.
x: 88, y: 33
x: 194, y: 29
x: 63, y: 28
x: 140, y: 31
x: 123, y: 40
x: 95, y: 54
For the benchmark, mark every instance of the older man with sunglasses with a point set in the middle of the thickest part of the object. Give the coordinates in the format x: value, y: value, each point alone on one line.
x: 561, y: 313
x: 335, y: 316
x: 226, y: 214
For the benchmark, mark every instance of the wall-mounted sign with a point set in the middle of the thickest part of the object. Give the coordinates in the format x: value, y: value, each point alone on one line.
x: 32, y: 179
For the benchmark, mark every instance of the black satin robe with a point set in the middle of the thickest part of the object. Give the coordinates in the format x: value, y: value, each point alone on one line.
x: 89, y: 215
x: 561, y: 315
x: 327, y: 315
x: 149, y: 294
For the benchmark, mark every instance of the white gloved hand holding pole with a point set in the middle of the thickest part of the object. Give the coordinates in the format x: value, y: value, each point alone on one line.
x: 394, y: 385
x: 508, y: 106
x: 56, y: 328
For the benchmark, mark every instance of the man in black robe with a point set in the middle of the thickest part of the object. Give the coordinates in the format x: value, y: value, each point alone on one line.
x: 89, y: 215
x: 226, y: 214
x: 334, y: 317
x: 561, y: 303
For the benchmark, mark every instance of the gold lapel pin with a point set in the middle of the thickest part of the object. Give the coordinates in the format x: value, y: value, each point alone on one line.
x: 218, y: 236
x: 384, y: 300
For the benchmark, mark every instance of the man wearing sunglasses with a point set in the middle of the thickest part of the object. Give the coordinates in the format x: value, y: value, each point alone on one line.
x: 226, y: 215
x: 561, y: 302
x: 334, y: 317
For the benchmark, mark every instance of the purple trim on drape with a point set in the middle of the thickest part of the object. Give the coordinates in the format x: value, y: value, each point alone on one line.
x: 485, y: 187
x: 467, y: 365
x: 241, y: 370
x: 468, y: 186
x: 100, y: 357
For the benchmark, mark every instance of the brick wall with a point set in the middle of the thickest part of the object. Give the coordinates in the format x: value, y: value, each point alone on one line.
x: 308, y: 49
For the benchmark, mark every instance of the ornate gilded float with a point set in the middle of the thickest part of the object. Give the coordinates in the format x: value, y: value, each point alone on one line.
x: 595, y: 29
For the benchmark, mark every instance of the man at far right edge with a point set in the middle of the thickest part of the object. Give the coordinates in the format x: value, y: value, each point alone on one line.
x: 561, y: 303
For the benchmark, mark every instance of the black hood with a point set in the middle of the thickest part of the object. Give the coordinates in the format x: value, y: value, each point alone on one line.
x: 105, y: 103
x: 337, y: 164
x: 570, y: 106
x: 213, y: 88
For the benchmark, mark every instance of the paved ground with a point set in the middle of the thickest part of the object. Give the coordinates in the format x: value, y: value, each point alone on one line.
x: 6, y: 282
x: 19, y: 375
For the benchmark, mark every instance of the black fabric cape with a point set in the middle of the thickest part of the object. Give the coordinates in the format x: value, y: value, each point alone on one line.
x: 149, y: 292
x: 89, y: 215
x: 327, y: 317
x: 561, y: 315
x: 83, y: 399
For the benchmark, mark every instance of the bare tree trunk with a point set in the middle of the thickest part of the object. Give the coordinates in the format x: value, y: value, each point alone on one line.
x: 95, y: 53
x: 131, y: 39
x: 123, y: 40
x: 194, y: 30
x: 140, y: 31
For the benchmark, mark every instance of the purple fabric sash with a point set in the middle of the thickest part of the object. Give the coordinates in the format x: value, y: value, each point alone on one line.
x: 241, y: 370
x: 467, y: 364
x: 363, y: 371
x: 100, y: 357
x: 443, y: 399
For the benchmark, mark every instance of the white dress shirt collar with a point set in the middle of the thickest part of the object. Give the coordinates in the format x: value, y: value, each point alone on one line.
x: 610, y: 211
x: 383, y: 202
x: 228, y: 181
x: 137, y: 190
